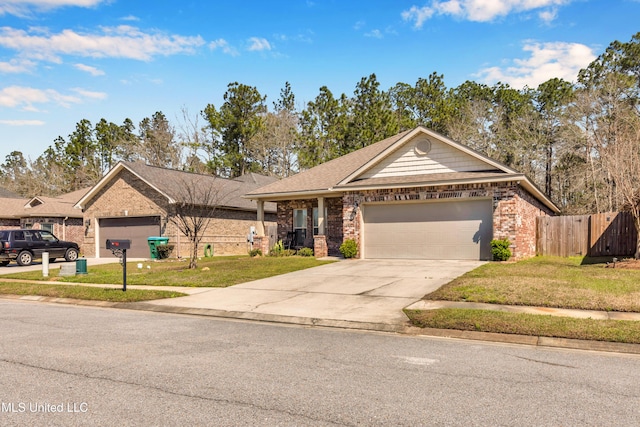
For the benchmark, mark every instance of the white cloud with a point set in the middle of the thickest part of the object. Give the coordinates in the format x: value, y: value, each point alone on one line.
x: 376, y: 34
x: 223, y: 45
x: 27, y: 98
x: 481, y: 10
x: 258, y: 44
x: 546, y: 61
x: 89, y: 94
x: 130, y: 18
x: 22, y: 122
x: 89, y: 69
x: 117, y: 42
x: 24, y: 7
x: 17, y: 66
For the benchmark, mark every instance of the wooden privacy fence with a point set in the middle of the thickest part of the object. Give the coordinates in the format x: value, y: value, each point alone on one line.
x: 605, y: 234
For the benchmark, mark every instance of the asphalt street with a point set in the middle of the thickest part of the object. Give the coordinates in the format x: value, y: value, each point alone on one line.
x: 118, y: 367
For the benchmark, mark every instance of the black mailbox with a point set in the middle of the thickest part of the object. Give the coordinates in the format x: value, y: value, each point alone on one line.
x: 118, y: 244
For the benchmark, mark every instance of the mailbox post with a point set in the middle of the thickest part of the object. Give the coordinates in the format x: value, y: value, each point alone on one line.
x: 119, y: 248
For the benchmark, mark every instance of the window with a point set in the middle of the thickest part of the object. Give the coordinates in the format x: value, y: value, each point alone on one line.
x: 47, y: 227
x: 299, y: 219
x: 315, y: 220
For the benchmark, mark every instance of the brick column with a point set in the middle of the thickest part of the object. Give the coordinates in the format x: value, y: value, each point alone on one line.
x: 262, y: 243
x: 320, y: 249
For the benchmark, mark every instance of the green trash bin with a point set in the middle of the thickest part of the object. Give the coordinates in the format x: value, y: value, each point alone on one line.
x: 81, y: 266
x: 153, y: 245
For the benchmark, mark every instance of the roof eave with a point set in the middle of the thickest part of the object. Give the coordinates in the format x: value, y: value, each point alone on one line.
x: 106, y: 178
x: 290, y: 195
x: 454, y: 181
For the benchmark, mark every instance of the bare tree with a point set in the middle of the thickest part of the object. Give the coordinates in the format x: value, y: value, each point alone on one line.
x: 621, y: 158
x: 200, y: 196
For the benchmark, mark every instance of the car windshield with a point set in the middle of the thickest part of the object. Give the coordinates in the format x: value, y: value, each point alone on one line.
x: 46, y: 236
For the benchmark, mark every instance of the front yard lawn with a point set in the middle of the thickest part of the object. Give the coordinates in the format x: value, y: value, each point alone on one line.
x: 84, y: 292
x: 547, y: 282
x: 543, y: 282
x: 213, y: 272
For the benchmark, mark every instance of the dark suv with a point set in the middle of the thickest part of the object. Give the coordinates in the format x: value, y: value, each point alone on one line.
x: 25, y: 245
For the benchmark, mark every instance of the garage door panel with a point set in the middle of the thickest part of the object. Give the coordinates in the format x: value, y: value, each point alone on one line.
x: 136, y: 229
x: 436, y: 230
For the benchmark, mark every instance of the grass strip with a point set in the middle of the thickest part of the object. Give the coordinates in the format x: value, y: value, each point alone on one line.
x: 547, y: 282
x: 622, y: 331
x: 85, y: 292
x: 213, y: 272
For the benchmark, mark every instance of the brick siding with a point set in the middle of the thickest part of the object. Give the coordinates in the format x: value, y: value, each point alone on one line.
x: 514, y: 209
x: 333, y: 222
x: 127, y: 195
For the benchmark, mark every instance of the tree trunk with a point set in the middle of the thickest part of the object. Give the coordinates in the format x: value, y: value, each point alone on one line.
x: 193, y: 261
x: 636, y: 222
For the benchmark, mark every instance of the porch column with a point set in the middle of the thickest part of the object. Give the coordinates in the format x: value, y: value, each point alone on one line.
x: 320, y: 241
x: 321, y: 218
x: 260, y: 219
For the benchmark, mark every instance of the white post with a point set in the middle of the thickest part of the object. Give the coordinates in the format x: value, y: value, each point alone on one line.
x: 45, y: 264
x: 260, y: 222
x: 321, y: 216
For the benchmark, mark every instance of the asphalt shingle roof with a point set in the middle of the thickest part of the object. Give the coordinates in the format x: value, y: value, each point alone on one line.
x: 328, y: 174
x: 173, y: 183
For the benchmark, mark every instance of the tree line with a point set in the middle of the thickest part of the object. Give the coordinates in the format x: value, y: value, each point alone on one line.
x: 579, y: 142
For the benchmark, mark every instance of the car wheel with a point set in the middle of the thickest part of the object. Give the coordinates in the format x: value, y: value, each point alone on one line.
x: 71, y: 254
x: 24, y: 258
x: 4, y: 263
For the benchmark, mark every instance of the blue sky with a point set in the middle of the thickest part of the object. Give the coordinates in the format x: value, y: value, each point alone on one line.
x: 66, y: 60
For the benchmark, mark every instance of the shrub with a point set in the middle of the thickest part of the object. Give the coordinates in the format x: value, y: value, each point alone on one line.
x: 500, y: 249
x: 349, y: 248
x: 255, y: 252
x: 278, y: 250
x: 164, y: 251
x: 305, y: 252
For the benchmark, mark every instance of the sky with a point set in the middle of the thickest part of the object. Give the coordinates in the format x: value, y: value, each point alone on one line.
x: 62, y: 61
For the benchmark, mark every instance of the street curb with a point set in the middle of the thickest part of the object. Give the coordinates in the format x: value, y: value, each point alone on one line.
x: 535, y: 341
x: 405, y: 329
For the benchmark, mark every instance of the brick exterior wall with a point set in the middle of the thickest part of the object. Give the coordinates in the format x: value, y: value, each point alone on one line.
x: 514, y: 210
x: 127, y: 195
x: 9, y: 223
x: 333, y: 222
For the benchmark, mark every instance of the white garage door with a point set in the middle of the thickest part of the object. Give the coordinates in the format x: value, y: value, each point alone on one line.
x: 136, y: 229
x: 434, y: 230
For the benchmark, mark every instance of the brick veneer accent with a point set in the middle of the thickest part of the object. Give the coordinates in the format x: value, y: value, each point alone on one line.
x: 333, y: 222
x: 320, y: 246
x: 514, y: 209
x: 227, y: 230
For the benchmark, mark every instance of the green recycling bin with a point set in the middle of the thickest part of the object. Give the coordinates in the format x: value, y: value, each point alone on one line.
x: 81, y: 266
x: 154, y: 242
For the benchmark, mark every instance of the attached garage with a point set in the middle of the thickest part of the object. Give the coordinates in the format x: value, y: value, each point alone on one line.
x: 136, y: 229
x: 459, y: 229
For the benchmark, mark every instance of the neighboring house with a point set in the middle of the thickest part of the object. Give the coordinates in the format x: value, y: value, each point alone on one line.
x: 133, y: 201
x: 56, y: 214
x: 416, y: 195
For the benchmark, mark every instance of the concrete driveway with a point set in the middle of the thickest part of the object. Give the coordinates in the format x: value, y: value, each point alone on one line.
x: 360, y: 291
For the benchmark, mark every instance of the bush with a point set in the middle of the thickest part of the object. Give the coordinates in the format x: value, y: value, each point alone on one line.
x: 500, y: 249
x: 278, y: 250
x: 349, y: 248
x: 164, y: 251
x: 255, y: 252
x: 305, y: 252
